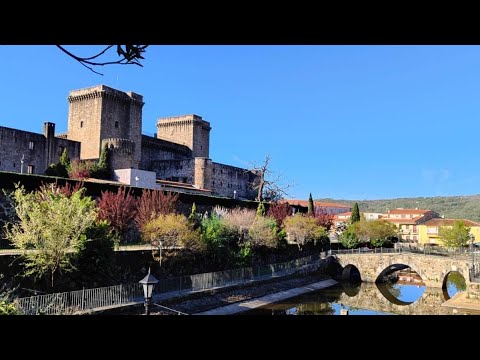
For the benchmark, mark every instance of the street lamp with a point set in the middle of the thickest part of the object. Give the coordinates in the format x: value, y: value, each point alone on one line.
x: 472, y: 238
x: 21, y: 163
x: 136, y: 181
x: 234, y: 194
x: 148, y: 283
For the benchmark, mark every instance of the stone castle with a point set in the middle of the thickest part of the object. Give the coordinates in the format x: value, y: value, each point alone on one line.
x: 177, y: 154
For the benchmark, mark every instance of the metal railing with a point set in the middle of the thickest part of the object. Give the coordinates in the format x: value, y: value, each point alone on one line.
x: 423, y: 251
x: 119, y: 295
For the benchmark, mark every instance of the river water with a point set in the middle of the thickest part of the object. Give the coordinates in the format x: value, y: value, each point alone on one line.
x: 370, y: 299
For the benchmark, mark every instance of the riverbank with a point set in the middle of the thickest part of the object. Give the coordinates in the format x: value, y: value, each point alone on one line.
x: 216, y: 298
x: 462, y: 301
x: 244, y: 306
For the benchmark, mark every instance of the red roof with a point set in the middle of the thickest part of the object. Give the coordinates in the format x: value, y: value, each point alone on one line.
x: 449, y: 222
x: 407, y: 211
x: 296, y: 202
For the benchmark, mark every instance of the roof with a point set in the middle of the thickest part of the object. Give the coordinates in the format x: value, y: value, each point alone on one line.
x: 413, y: 221
x: 407, y: 211
x: 296, y: 202
x: 176, y: 184
x: 449, y: 222
x: 348, y: 213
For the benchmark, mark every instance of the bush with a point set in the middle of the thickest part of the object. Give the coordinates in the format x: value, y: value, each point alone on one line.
x: 153, y: 203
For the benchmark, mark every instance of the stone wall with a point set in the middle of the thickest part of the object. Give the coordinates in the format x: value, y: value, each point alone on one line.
x: 226, y: 179
x: 154, y: 149
x: 100, y: 112
x: 189, y: 130
x: 175, y: 170
x: 37, y: 150
x: 432, y: 269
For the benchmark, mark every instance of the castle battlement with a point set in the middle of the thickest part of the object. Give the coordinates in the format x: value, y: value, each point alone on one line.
x: 123, y: 146
x: 103, y: 91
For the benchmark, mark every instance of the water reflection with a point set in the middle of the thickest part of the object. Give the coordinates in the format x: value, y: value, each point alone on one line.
x: 454, y: 283
x: 364, y: 299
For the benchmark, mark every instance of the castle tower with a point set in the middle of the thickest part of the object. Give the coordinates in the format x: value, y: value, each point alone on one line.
x: 189, y: 130
x: 100, y: 113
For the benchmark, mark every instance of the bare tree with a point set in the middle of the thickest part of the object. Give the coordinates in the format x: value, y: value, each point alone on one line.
x: 270, y: 185
x: 129, y: 54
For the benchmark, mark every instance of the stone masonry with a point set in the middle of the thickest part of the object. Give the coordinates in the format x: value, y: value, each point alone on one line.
x: 100, y: 115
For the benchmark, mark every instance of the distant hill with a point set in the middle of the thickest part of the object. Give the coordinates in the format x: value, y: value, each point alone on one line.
x: 464, y: 207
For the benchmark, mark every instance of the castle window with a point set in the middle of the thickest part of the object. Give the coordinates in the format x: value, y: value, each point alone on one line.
x: 61, y: 150
x: 31, y: 145
x: 30, y: 169
x: 81, y: 124
x: 13, y: 164
x: 213, y: 182
x: 116, y: 124
x: 201, y: 147
x: 221, y: 183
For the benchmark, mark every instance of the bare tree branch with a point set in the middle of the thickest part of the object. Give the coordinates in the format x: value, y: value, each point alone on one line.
x: 270, y: 185
x: 130, y: 55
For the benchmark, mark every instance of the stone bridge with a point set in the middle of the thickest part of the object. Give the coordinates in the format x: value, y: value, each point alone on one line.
x: 372, y: 297
x: 433, y: 269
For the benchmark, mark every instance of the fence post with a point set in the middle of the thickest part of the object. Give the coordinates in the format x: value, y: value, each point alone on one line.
x: 83, y: 298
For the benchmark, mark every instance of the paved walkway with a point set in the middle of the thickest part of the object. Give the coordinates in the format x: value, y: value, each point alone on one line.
x: 460, y: 301
x: 268, y: 299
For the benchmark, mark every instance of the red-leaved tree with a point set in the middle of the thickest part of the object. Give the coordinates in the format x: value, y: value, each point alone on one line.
x: 279, y: 212
x: 323, y: 218
x: 118, y: 209
x: 154, y: 203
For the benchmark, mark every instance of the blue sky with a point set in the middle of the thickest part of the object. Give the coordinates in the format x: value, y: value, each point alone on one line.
x: 351, y: 122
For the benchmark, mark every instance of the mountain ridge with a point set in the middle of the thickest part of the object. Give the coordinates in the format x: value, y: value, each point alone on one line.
x: 455, y: 207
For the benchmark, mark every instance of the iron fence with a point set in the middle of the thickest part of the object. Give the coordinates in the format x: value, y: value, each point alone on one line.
x: 119, y: 295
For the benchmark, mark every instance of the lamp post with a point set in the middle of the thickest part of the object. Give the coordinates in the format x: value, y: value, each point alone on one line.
x: 21, y: 163
x: 472, y: 238
x: 234, y: 194
x: 136, y: 181
x: 148, y: 283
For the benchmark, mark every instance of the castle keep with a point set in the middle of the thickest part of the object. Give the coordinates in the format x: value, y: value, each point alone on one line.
x: 177, y: 154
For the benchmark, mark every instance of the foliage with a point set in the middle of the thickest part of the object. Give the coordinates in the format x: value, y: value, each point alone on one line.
x: 64, y: 158
x: 153, y: 203
x: 239, y: 221
x: 454, y: 236
x: 195, y: 219
x: 263, y: 232
x: 261, y: 209
x: 220, y: 211
x: 279, y: 211
x: 323, y: 218
x: 348, y: 238
x: 213, y: 231
x: 377, y: 232
x: 172, y: 230
x: 6, y: 307
x: 52, y: 224
x: 457, y: 280
x: 355, y: 214
x: 301, y: 229
x: 59, y: 169
x: 79, y: 169
x: 94, y: 261
x: 101, y: 168
x: 311, y: 206
x: 118, y: 209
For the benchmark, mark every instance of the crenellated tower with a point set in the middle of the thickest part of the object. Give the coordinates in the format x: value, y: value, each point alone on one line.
x: 101, y: 113
x: 189, y: 130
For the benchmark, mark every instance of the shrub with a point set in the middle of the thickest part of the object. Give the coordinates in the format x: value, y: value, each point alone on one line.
x: 279, y: 212
x: 302, y: 229
x: 263, y: 232
x: 153, y: 203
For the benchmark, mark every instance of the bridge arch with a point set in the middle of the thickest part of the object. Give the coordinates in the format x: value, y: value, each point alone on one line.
x: 457, y: 280
x: 351, y: 273
x: 432, y: 269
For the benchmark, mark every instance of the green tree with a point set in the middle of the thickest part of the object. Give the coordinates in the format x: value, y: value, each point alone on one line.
x: 261, y: 209
x: 302, y: 229
x: 311, y: 207
x: 355, y: 214
x: 263, y: 232
x: 65, y: 159
x: 454, y: 236
x: 377, y: 232
x: 101, y: 169
x: 50, y: 227
x: 348, y: 238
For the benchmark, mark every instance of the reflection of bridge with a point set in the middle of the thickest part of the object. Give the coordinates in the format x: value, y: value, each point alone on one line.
x: 432, y: 269
x: 378, y: 298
